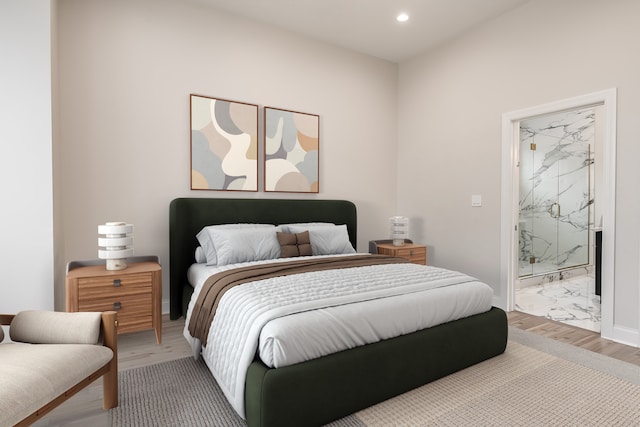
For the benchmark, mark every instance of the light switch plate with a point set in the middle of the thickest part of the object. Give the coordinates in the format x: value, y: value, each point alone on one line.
x: 476, y: 200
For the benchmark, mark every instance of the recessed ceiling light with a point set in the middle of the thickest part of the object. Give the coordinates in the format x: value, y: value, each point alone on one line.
x: 403, y: 17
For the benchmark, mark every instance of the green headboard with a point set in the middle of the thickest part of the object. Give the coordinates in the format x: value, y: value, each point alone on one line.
x: 187, y: 216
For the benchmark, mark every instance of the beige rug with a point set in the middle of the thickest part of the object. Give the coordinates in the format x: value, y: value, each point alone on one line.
x: 536, y: 382
x: 522, y: 387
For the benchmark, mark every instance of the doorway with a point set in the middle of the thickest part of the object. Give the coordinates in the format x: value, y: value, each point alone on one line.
x: 559, y: 261
x: 556, y: 269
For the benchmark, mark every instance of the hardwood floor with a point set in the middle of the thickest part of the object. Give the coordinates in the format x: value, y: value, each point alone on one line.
x: 575, y: 336
x: 140, y: 349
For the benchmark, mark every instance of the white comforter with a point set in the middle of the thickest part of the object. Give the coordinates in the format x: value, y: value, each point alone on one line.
x: 304, y: 316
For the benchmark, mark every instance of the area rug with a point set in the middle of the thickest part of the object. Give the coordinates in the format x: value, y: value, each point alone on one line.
x: 536, y: 382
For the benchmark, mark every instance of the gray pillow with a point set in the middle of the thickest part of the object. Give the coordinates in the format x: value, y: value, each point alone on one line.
x: 206, y: 238
x: 245, y: 244
x: 327, y: 240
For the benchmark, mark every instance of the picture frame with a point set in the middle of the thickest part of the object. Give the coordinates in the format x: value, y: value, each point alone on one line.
x: 224, y: 144
x: 291, y: 151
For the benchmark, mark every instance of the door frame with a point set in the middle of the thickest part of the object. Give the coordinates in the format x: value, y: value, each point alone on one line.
x: 606, y: 197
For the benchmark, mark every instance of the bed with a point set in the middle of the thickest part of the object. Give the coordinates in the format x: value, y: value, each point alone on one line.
x: 321, y: 390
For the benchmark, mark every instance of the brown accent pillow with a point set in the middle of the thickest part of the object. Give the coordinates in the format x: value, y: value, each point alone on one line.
x: 293, y: 245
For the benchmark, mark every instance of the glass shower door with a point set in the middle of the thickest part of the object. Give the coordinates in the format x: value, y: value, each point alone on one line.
x: 574, y: 203
x: 554, y: 192
x: 539, y: 207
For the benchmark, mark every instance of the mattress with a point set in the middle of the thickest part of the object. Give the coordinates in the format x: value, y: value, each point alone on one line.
x: 307, y: 335
x: 307, y: 332
x: 311, y: 334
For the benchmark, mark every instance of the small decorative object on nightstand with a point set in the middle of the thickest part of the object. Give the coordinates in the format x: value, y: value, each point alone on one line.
x: 417, y: 254
x: 115, y: 241
x: 398, y: 229
x: 135, y: 293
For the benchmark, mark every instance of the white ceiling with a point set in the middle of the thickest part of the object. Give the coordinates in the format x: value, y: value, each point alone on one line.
x: 370, y: 26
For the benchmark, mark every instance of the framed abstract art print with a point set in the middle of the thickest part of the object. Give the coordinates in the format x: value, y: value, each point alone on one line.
x: 224, y: 144
x: 291, y: 151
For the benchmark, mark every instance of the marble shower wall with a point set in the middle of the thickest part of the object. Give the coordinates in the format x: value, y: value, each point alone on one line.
x: 556, y: 199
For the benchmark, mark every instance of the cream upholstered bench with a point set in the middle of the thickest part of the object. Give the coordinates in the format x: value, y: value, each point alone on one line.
x: 52, y: 356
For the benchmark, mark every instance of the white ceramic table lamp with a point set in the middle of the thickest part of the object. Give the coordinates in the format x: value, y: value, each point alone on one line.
x: 115, y: 243
x: 399, y: 229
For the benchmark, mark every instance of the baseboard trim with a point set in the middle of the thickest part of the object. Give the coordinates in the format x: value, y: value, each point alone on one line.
x: 626, y: 335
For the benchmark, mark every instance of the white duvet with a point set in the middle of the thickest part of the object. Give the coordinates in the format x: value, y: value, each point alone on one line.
x: 304, y: 316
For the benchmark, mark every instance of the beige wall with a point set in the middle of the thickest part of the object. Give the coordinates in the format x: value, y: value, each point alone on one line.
x: 450, y: 105
x: 126, y: 71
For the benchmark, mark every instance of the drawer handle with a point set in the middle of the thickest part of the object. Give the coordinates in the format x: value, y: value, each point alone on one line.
x: 117, y: 305
x: 411, y: 252
x: 117, y: 282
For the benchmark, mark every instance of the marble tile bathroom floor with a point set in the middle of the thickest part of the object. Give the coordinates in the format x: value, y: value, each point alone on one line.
x: 571, y: 301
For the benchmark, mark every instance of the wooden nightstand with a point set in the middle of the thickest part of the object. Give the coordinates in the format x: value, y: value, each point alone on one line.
x: 135, y: 292
x: 417, y: 254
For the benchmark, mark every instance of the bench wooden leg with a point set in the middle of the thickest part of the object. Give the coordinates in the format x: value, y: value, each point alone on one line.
x: 110, y: 378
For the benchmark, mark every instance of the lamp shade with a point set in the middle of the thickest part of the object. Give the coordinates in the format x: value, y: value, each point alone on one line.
x: 399, y: 229
x: 115, y: 243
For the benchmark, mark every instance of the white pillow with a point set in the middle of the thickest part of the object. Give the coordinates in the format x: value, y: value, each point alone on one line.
x: 306, y: 225
x: 327, y: 240
x: 245, y: 244
x: 208, y: 245
x: 201, y: 258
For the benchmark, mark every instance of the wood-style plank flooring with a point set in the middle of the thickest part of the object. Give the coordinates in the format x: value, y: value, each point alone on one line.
x: 575, y: 336
x: 140, y: 349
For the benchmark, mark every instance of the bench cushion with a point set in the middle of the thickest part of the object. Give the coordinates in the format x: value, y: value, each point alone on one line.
x: 53, y: 327
x: 32, y: 375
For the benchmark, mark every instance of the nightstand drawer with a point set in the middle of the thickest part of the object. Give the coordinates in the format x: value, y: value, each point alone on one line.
x: 113, y: 286
x: 417, y: 254
x: 134, y: 311
x: 126, y: 305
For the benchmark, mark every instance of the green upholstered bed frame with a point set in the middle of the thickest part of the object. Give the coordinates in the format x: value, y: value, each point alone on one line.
x: 324, y: 389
